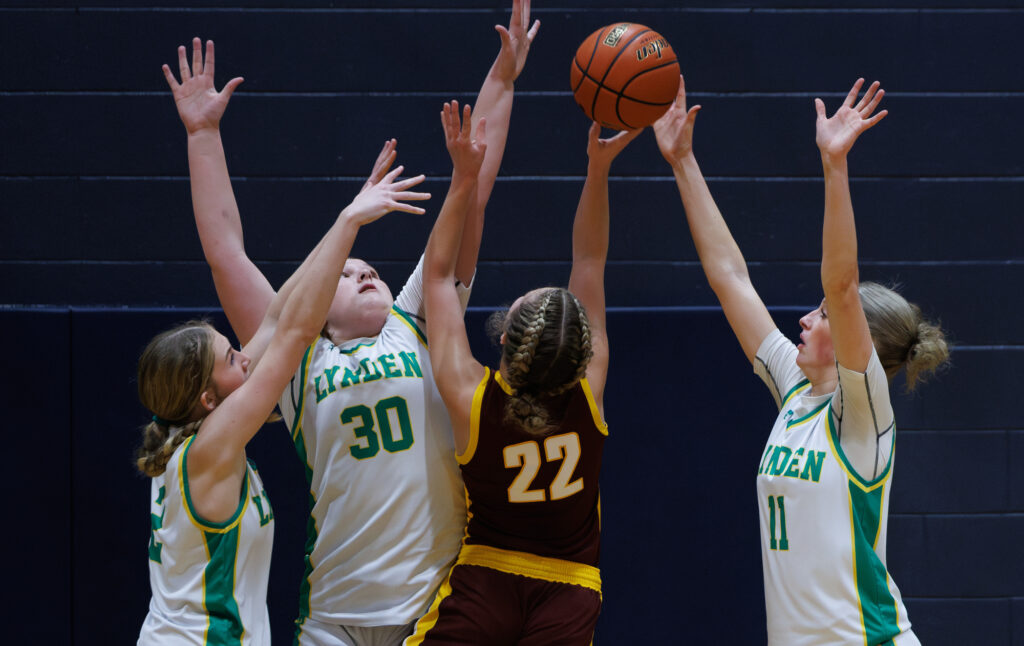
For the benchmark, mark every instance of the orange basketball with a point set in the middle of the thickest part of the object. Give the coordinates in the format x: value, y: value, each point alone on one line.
x: 625, y: 76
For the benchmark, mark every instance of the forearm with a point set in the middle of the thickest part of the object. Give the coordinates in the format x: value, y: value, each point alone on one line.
x: 441, y: 255
x: 213, y: 201
x: 590, y: 226
x: 839, y: 234
x: 719, y: 254
x: 306, y: 297
x: 494, y: 103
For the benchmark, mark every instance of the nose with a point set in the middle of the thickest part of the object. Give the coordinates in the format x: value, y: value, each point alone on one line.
x: 364, y: 275
x: 805, y: 321
x: 245, y: 360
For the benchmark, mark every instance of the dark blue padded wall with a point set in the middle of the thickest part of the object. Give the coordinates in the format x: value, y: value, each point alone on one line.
x: 97, y: 241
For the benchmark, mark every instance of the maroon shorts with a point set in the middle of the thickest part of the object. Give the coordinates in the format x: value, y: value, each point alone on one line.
x: 478, y: 605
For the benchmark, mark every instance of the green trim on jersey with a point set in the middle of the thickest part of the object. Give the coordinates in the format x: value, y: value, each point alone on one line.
x: 851, y: 473
x: 795, y: 390
x: 809, y: 416
x: 304, y: 371
x: 877, y: 605
x: 311, y: 530
x: 225, y: 620
x: 206, y: 525
x: 408, y: 319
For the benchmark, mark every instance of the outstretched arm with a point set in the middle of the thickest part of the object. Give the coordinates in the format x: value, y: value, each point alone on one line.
x: 243, y: 290
x: 590, y: 248
x: 723, y: 263
x: 294, y: 319
x: 839, y: 273
x: 494, y: 102
x: 455, y: 370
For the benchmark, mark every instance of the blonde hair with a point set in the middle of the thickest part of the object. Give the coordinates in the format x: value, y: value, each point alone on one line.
x: 901, y: 335
x: 546, y: 352
x: 174, y: 371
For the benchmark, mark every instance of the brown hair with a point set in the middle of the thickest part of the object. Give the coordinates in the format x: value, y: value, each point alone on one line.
x: 546, y: 352
x: 901, y: 335
x: 174, y: 370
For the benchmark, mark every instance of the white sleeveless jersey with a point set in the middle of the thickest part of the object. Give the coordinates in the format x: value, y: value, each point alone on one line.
x: 209, y: 580
x: 387, y: 504
x: 823, y: 518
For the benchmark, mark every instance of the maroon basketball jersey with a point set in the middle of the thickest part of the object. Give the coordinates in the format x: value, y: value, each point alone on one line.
x: 536, y: 494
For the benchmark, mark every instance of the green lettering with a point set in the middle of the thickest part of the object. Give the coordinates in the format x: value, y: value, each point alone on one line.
x: 812, y: 468
x: 794, y: 465
x: 329, y: 376
x: 767, y: 452
x: 349, y: 379
x: 387, y: 361
x: 320, y: 394
x: 369, y: 375
x: 155, y: 523
x: 411, y: 364
x: 778, y: 462
x: 264, y: 517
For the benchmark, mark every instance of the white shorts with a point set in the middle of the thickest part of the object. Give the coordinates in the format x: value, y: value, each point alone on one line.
x: 316, y: 633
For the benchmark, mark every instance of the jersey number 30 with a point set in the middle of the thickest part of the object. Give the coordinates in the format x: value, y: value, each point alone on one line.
x: 384, y: 432
x: 526, y: 457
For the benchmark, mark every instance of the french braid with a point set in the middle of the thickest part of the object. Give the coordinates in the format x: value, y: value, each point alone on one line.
x: 547, y: 349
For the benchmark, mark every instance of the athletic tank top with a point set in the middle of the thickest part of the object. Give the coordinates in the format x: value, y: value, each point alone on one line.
x: 209, y: 580
x: 534, y: 494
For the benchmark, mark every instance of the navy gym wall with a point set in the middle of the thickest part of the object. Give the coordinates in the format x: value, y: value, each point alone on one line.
x: 98, y: 252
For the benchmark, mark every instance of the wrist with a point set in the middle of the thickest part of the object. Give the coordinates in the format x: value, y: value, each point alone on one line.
x: 203, y: 132
x: 683, y: 163
x: 833, y: 162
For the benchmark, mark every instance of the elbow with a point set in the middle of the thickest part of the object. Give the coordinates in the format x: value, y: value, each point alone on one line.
x: 840, y: 282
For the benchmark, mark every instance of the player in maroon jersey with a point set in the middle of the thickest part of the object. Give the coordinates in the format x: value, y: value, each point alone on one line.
x: 529, y: 435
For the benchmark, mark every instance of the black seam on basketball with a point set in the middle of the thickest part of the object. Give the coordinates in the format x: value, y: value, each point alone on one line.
x: 622, y: 93
x: 593, y: 52
x: 583, y: 75
x: 608, y: 69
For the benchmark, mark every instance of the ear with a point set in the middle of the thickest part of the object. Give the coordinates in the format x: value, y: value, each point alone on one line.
x: 208, y: 400
x: 501, y: 341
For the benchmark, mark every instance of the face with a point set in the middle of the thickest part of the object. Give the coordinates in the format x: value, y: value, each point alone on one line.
x: 815, y: 349
x: 361, y: 302
x: 230, y: 367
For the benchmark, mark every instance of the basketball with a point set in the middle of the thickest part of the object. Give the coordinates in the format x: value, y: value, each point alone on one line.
x: 625, y: 76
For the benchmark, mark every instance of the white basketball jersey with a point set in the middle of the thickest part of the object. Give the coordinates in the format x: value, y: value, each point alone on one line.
x: 387, y: 501
x: 823, y: 521
x: 209, y: 580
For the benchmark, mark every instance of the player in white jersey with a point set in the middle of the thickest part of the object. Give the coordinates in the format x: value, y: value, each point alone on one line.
x: 212, y: 524
x: 824, y: 476
x: 365, y: 584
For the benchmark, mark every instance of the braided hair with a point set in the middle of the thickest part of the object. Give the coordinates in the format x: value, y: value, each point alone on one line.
x: 174, y: 370
x: 546, y: 352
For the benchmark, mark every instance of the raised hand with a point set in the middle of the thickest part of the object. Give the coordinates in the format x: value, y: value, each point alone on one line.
x: 385, y: 158
x: 385, y: 196
x: 515, y: 41
x: 200, y: 105
x: 836, y: 134
x: 603, y: 151
x: 674, y: 130
x: 467, y: 152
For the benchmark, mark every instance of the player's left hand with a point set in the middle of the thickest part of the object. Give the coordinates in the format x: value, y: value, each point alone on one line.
x: 467, y: 152
x: 515, y: 41
x: 603, y: 151
x: 836, y: 134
